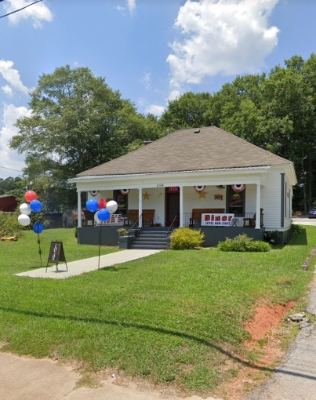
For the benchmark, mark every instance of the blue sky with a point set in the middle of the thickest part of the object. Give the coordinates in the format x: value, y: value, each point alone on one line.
x: 152, y: 51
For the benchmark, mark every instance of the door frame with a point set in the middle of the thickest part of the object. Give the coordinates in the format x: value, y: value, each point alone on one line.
x: 169, y: 194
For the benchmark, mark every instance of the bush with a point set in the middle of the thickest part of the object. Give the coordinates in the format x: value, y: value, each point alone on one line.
x: 243, y: 243
x: 297, y: 229
x: 272, y: 236
x: 9, y: 225
x: 186, y: 239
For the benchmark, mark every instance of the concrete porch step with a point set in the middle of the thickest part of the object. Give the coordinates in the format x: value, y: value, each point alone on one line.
x: 149, y: 246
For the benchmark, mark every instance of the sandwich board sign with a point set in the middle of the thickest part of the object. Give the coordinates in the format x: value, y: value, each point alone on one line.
x: 56, y: 254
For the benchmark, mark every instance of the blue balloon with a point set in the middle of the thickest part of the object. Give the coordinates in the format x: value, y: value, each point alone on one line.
x: 38, y: 227
x: 35, y: 206
x: 92, y: 205
x: 104, y: 215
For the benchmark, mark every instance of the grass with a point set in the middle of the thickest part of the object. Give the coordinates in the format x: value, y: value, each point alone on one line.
x: 169, y: 318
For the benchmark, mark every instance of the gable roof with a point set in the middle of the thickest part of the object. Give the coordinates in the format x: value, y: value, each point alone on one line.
x: 185, y: 150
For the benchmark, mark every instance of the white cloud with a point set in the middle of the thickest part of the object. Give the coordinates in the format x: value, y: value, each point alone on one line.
x: 131, y: 5
x: 225, y: 37
x: 146, y: 80
x: 12, y: 76
x: 155, y: 110
x: 37, y: 12
x: 7, y: 90
x: 10, y: 158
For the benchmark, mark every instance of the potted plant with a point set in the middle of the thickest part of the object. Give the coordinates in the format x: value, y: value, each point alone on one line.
x: 125, y: 239
x: 122, y: 232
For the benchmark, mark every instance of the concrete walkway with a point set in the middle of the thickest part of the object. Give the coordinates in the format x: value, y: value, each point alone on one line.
x: 87, y: 265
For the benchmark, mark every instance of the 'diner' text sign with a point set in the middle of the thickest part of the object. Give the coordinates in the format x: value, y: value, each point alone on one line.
x: 216, y: 219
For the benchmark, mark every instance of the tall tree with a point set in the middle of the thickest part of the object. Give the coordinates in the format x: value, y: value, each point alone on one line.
x: 189, y: 111
x: 77, y: 122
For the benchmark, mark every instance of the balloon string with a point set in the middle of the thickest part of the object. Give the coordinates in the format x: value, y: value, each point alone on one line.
x: 39, y: 247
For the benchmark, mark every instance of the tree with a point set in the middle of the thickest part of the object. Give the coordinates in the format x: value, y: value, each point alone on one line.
x: 189, y: 111
x: 77, y: 122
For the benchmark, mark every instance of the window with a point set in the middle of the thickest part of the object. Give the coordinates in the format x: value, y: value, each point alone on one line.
x: 235, y: 201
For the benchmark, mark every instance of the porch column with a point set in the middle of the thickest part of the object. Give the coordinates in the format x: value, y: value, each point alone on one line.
x: 140, y: 207
x: 181, y: 219
x: 79, y: 208
x: 258, y: 214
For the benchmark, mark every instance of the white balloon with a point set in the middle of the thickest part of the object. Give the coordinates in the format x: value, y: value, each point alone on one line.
x: 111, y: 206
x: 96, y: 218
x: 25, y: 209
x: 24, y: 219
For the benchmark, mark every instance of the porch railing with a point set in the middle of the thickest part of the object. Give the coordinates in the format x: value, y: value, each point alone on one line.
x: 238, y: 220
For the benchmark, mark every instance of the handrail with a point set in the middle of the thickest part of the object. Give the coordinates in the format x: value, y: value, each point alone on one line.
x: 136, y: 222
x: 172, y: 223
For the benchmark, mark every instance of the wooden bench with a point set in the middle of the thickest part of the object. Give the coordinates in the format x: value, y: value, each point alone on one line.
x: 147, y: 216
x: 197, y: 213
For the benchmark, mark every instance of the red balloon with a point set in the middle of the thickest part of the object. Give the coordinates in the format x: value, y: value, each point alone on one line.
x: 102, y: 204
x: 30, y: 195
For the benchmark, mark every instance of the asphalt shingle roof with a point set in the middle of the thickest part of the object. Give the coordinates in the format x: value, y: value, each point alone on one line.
x: 185, y: 150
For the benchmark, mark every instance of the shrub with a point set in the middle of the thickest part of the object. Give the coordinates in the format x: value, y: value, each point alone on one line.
x: 9, y: 225
x: 186, y: 239
x: 297, y: 229
x: 122, y: 231
x: 243, y: 243
x: 272, y: 235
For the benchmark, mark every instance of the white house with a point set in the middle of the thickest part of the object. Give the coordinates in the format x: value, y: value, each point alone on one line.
x: 198, y: 169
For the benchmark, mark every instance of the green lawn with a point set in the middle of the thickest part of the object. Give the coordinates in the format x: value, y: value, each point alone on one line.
x: 167, y: 317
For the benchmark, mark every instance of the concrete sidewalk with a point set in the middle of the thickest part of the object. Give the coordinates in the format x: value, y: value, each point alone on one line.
x: 24, y: 378
x: 87, y: 265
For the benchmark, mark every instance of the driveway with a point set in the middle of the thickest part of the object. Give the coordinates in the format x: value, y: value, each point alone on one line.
x: 304, y: 221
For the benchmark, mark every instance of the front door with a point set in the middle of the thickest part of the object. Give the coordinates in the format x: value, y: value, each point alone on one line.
x: 172, y: 206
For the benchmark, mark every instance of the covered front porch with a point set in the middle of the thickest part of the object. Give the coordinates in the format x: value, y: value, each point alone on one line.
x: 172, y: 201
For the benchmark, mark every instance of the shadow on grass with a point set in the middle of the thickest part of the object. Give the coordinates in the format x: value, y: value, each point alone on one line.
x: 299, y: 239
x: 111, y: 269
x: 162, y: 331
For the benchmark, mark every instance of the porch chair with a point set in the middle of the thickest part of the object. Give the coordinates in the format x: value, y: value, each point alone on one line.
x: 251, y: 222
x: 88, y: 216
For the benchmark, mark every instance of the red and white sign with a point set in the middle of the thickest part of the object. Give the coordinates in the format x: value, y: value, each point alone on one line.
x: 115, y: 219
x: 216, y: 219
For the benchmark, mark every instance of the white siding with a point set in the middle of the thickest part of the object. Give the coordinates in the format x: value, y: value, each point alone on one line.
x: 155, y: 202
x: 192, y: 198
x: 271, y: 200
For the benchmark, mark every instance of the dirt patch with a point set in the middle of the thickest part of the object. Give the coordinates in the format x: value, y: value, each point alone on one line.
x: 266, y: 318
x: 261, y: 352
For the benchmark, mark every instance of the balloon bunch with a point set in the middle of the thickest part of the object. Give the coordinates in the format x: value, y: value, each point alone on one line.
x: 26, y: 209
x: 102, y: 209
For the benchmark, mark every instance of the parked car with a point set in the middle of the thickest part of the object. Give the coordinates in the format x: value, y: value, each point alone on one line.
x: 312, y: 213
